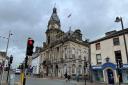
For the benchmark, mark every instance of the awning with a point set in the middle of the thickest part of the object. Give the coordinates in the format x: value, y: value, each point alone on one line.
x: 108, y: 65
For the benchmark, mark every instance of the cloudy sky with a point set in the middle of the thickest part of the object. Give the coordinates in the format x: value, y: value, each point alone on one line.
x: 29, y: 18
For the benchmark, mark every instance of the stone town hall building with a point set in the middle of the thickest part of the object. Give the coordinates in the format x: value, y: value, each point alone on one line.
x: 62, y: 52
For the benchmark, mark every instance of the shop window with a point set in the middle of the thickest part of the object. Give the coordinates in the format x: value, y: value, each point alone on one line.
x: 116, y: 41
x: 98, y: 46
x: 98, y: 75
x: 98, y: 59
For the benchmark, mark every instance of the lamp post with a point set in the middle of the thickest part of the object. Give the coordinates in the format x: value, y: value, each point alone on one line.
x: 8, y: 42
x: 9, y: 35
x: 9, y: 65
x: 119, y: 19
x: 119, y: 66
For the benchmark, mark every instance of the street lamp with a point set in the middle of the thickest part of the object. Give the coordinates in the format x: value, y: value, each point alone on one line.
x: 119, y: 19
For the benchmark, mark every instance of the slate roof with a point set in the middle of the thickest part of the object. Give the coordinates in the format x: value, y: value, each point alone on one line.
x: 115, y: 34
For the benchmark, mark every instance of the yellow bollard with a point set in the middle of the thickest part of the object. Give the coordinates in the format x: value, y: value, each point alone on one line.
x: 21, y: 77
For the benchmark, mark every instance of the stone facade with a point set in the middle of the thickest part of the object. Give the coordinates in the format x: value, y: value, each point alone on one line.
x: 63, y: 52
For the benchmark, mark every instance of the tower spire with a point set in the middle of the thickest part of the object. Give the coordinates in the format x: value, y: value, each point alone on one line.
x: 54, y: 9
x: 54, y: 19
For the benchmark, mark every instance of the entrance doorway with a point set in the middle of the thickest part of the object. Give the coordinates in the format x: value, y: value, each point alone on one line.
x: 110, y: 76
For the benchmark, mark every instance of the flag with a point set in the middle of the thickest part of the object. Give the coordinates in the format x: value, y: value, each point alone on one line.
x: 118, y: 19
x: 69, y: 15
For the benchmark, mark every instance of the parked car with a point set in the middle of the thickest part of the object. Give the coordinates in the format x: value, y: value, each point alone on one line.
x: 17, y: 71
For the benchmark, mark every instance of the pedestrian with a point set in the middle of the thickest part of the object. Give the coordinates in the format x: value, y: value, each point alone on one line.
x: 77, y: 77
x: 69, y: 77
x: 66, y: 75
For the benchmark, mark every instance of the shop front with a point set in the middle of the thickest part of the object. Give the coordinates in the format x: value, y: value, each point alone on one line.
x: 109, y: 72
x: 105, y: 73
x: 125, y: 73
x: 97, y: 73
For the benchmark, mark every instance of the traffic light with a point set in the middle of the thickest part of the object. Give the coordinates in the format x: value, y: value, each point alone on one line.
x: 11, y: 59
x: 30, y: 46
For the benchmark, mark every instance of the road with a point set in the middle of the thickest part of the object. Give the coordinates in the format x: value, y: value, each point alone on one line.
x: 45, y: 81
x: 41, y: 81
x: 38, y: 81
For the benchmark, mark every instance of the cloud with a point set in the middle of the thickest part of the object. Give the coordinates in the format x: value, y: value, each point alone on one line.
x: 29, y: 18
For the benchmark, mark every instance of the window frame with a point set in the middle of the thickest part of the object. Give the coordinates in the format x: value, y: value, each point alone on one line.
x: 98, y: 46
x: 118, y: 57
x: 116, y: 41
x: 98, y: 60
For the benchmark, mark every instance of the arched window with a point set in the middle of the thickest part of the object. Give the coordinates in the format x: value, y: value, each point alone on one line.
x: 80, y: 69
x: 65, y: 68
x: 73, y: 69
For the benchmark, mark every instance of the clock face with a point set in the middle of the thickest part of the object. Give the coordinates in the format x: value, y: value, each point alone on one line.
x: 56, y: 26
x: 53, y: 26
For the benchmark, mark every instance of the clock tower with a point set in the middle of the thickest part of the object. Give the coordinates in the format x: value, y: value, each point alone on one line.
x: 53, y: 27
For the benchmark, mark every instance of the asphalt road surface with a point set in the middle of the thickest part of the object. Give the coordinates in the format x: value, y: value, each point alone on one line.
x: 37, y: 81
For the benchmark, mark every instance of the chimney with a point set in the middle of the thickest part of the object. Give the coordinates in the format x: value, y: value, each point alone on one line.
x: 110, y: 32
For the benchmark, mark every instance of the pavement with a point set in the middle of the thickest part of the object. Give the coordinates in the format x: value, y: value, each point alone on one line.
x: 12, y: 78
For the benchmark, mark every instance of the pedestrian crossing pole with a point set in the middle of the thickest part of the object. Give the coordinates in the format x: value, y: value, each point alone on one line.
x: 22, y: 74
x: 25, y: 70
x: 29, y: 52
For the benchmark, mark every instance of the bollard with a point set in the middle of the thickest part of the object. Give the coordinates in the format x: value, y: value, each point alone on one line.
x: 24, y: 81
x: 21, y: 77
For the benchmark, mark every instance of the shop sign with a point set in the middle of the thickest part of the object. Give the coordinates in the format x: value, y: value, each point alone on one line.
x: 96, y: 67
x: 125, y: 66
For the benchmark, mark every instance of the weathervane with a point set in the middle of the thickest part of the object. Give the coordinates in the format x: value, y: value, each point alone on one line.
x: 54, y: 5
